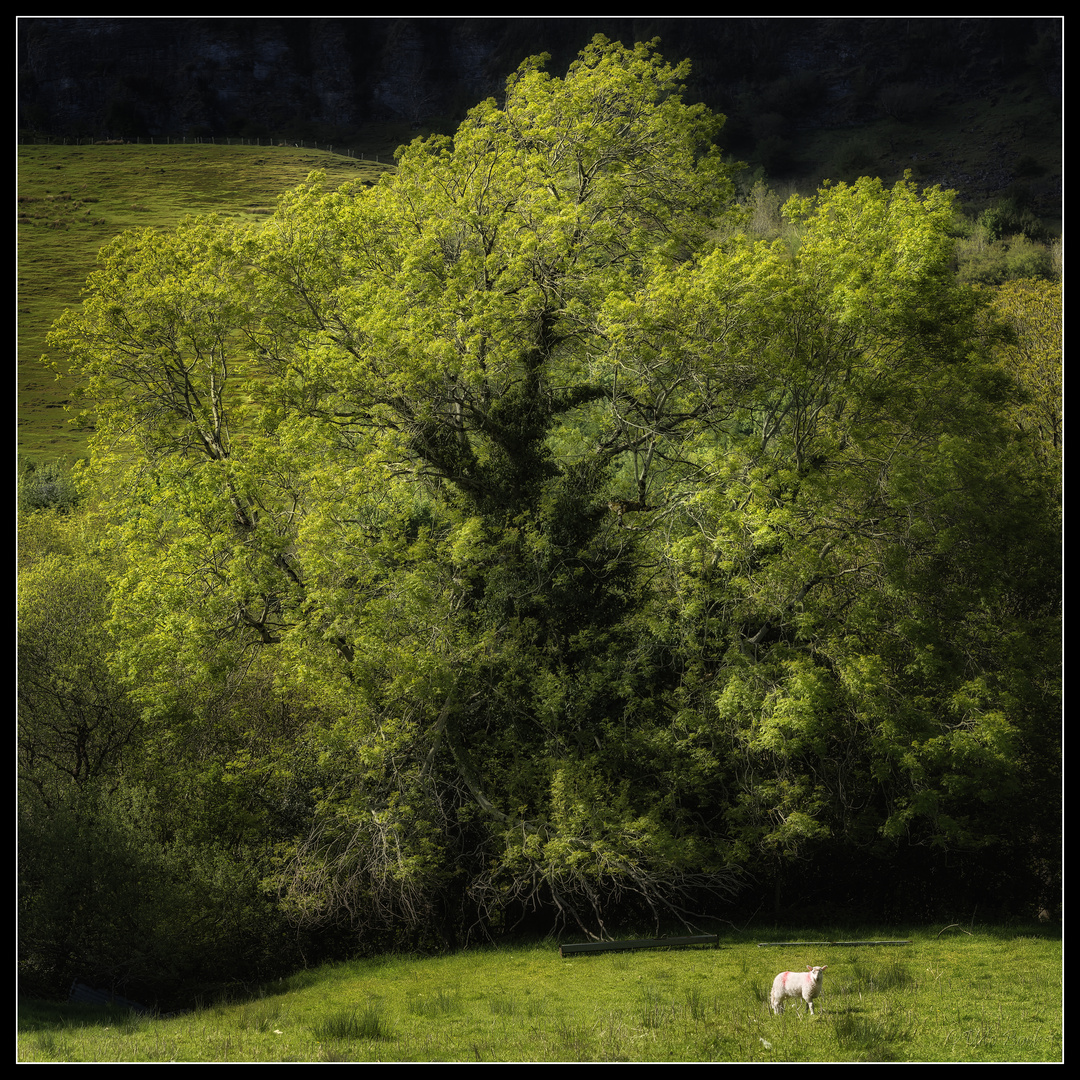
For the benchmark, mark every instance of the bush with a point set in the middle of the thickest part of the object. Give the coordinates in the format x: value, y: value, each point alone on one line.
x: 106, y: 898
x: 981, y: 262
x: 1013, y: 215
x: 46, y: 487
x: 1025, y: 259
x: 763, y: 211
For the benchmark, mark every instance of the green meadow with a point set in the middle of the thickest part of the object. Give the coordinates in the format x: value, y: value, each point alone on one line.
x: 991, y: 995
x: 73, y: 199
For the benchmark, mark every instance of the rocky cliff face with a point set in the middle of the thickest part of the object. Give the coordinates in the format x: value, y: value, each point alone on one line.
x: 147, y: 76
x: 172, y: 76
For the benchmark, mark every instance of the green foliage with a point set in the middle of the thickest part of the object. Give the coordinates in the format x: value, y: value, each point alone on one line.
x: 74, y: 199
x: 107, y: 897
x: 142, y: 840
x: 155, y: 332
x: 1032, y: 353
x: 539, y: 538
x: 1006, y: 242
x: 1013, y: 216
x: 993, y: 263
x: 75, y: 724
x: 46, y: 487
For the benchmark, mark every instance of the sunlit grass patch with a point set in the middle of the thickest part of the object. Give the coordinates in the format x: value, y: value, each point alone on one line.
x: 983, y: 998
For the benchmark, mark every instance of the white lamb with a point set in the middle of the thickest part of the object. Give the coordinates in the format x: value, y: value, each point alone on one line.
x: 794, y: 984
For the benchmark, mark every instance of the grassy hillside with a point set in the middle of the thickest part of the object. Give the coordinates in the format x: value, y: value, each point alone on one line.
x: 988, y: 996
x: 74, y: 199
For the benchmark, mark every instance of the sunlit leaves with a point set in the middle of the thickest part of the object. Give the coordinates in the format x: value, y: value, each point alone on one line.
x: 157, y: 337
x: 1033, y: 355
x: 599, y: 540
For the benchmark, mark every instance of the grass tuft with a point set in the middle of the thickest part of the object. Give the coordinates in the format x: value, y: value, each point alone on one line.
x: 350, y: 1025
x: 865, y: 1038
x: 442, y: 1003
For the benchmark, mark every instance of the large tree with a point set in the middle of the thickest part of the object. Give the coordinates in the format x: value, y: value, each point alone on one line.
x: 605, y: 551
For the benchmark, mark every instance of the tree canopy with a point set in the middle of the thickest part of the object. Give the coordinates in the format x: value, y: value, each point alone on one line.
x: 520, y: 541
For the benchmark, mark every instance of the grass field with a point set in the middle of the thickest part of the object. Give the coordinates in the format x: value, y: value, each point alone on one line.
x: 991, y: 995
x: 73, y: 199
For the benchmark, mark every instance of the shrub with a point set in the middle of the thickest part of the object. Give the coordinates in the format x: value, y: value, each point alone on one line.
x: 46, y: 487
x: 107, y: 898
x: 1025, y: 259
x: 1013, y: 215
x: 981, y: 262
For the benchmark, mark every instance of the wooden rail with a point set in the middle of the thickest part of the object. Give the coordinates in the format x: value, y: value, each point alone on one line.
x: 641, y: 943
